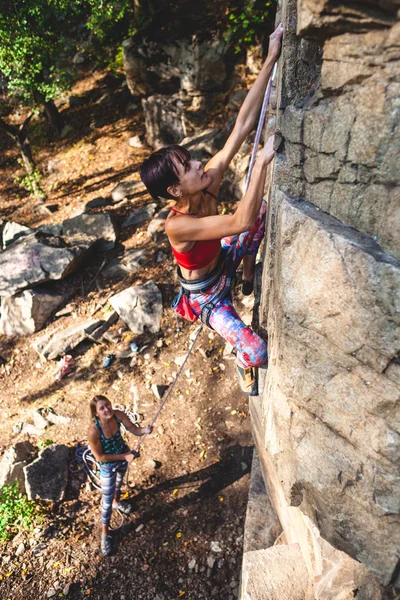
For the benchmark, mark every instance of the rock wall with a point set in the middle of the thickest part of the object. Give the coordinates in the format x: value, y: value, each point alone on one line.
x: 327, y: 426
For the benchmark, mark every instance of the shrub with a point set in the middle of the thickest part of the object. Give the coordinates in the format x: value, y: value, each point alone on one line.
x: 16, y: 511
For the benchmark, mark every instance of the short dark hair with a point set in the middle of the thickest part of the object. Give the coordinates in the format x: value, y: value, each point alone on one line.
x: 158, y: 172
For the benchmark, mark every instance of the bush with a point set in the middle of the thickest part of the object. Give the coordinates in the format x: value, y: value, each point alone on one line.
x: 16, y: 512
x: 247, y: 26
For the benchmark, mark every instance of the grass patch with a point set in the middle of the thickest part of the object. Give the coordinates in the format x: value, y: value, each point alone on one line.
x: 16, y: 512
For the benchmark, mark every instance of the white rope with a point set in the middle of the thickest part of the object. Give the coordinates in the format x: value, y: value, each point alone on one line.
x: 260, y: 125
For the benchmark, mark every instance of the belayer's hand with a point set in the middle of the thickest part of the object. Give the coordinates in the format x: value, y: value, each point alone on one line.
x: 148, y: 429
x: 275, y: 42
x: 129, y: 457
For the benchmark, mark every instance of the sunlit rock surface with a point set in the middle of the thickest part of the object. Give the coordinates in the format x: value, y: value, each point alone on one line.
x: 327, y: 426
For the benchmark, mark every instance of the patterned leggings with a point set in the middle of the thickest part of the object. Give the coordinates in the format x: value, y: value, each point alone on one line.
x: 111, y: 476
x: 251, y: 349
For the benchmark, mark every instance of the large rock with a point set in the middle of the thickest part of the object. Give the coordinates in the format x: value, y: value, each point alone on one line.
x: 28, y: 311
x: 327, y: 426
x: 140, y: 216
x: 37, y: 258
x: 126, y: 189
x: 157, y: 224
x: 130, y: 262
x: 13, y: 231
x: 139, y: 307
x: 61, y: 341
x: 46, y: 477
x: 205, y: 144
x: 341, y: 152
x: 98, y: 227
x: 275, y: 573
x: 194, y: 65
x: 334, y: 337
x: 13, y: 462
x: 164, y: 119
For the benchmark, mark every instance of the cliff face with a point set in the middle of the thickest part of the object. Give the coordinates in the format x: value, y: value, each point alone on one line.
x: 328, y: 424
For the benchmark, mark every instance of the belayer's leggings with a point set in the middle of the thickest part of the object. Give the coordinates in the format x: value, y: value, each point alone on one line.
x: 251, y: 349
x: 111, y: 476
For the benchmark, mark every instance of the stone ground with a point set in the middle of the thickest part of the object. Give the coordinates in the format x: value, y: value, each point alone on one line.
x: 184, y: 539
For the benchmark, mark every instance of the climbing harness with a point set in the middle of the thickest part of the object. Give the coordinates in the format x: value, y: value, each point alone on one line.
x: 181, y: 305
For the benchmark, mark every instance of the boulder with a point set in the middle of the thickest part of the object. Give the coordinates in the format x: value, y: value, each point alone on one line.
x: 46, y: 477
x: 275, y: 573
x: 193, y: 64
x: 139, y: 307
x: 205, y: 144
x: 140, y: 216
x: 28, y: 311
x: 13, y: 462
x: 61, y: 341
x: 130, y: 262
x: 96, y: 203
x: 157, y: 224
x: 13, y: 231
x: 205, y: 65
x: 51, y: 229
x: 126, y: 189
x: 98, y: 227
x: 37, y: 258
x: 164, y: 119
x: 135, y: 142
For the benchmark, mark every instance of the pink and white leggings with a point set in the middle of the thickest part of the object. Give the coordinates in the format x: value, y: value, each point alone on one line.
x: 251, y: 348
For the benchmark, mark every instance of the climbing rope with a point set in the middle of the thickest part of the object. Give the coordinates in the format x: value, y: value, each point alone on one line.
x: 260, y: 124
x: 167, y: 395
x: 85, y: 461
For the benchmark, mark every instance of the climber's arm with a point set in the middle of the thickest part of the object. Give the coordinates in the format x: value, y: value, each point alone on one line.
x: 248, y: 113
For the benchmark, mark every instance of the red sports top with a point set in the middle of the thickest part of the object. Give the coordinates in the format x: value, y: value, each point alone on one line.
x: 200, y: 255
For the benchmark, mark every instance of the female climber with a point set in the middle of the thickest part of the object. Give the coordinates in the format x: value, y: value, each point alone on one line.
x: 112, y: 453
x: 208, y: 247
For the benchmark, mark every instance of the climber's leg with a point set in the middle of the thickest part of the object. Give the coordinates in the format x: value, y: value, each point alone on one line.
x: 250, y: 347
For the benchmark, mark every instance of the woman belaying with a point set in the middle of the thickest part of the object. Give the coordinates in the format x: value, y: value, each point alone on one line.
x: 113, y: 454
x: 208, y: 247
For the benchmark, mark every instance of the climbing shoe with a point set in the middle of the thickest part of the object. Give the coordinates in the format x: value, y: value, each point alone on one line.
x: 106, y: 545
x: 123, y: 507
x: 247, y: 287
x: 247, y: 380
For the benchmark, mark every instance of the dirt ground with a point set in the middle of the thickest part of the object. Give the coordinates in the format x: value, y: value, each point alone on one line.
x: 189, y: 487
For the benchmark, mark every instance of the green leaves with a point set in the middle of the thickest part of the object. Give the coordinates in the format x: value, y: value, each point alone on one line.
x: 34, y: 44
x: 16, y: 511
x: 246, y: 27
